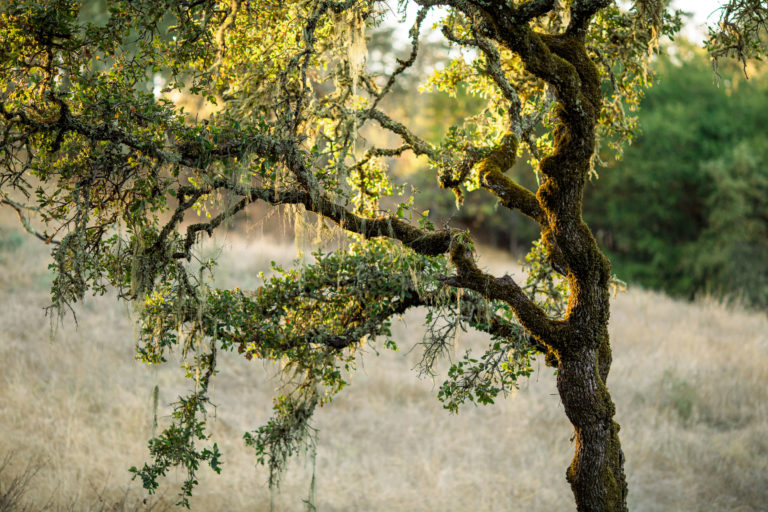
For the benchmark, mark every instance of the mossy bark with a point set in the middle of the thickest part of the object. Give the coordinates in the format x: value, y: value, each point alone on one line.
x: 596, y: 474
x: 580, y: 345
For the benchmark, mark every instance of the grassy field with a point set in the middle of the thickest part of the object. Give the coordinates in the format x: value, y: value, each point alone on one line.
x: 690, y: 382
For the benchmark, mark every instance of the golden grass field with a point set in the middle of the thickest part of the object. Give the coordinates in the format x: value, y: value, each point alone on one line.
x: 690, y: 381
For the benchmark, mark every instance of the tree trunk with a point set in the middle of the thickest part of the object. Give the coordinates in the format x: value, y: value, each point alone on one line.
x: 596, y: 474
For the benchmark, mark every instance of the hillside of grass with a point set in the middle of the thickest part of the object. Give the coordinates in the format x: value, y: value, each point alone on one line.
x: 690, y: 381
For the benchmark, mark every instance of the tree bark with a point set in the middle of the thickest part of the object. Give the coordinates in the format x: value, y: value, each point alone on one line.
x: 596, y: 474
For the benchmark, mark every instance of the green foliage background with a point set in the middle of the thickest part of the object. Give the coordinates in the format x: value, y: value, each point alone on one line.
x: 685, y: 211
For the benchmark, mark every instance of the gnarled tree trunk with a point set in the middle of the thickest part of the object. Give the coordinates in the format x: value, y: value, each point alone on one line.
x: 596, y: 474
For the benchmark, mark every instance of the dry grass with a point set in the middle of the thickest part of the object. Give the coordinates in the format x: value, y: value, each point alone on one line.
x: 690, y: 382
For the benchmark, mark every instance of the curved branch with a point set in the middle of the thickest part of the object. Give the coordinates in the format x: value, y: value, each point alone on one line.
x: 532, y: 9
x: 552, y: 333
x: 25, y: 222
x: 513, y: 196
x: 393, y: 292
x: 581, y: 13
x: 429, y: 243
x: 414, y: 34
x: 418, y: 145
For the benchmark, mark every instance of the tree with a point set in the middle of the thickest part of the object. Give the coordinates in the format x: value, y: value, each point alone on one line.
x: 115, y: 171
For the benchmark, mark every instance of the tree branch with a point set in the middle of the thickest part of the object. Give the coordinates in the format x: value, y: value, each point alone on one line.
x: 531, y: 9
x: 513, y: 196
x: 581, y: 13
x: 419, y: 146
x: 429, y: 243
x: 552, y: 333
x: 25, y: 222
x: 414, y: 34
x: 393, y: 292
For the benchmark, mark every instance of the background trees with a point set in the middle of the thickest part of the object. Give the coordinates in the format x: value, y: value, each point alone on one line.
x: 95, y: 147
x: 659, y: 212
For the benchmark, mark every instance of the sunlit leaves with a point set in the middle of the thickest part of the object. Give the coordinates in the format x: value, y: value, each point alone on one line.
x: 742, y: 32
x: 311, y: 319
x: 622, y: 43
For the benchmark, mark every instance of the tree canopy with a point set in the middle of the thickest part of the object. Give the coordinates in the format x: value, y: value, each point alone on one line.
x: 97, y: 148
